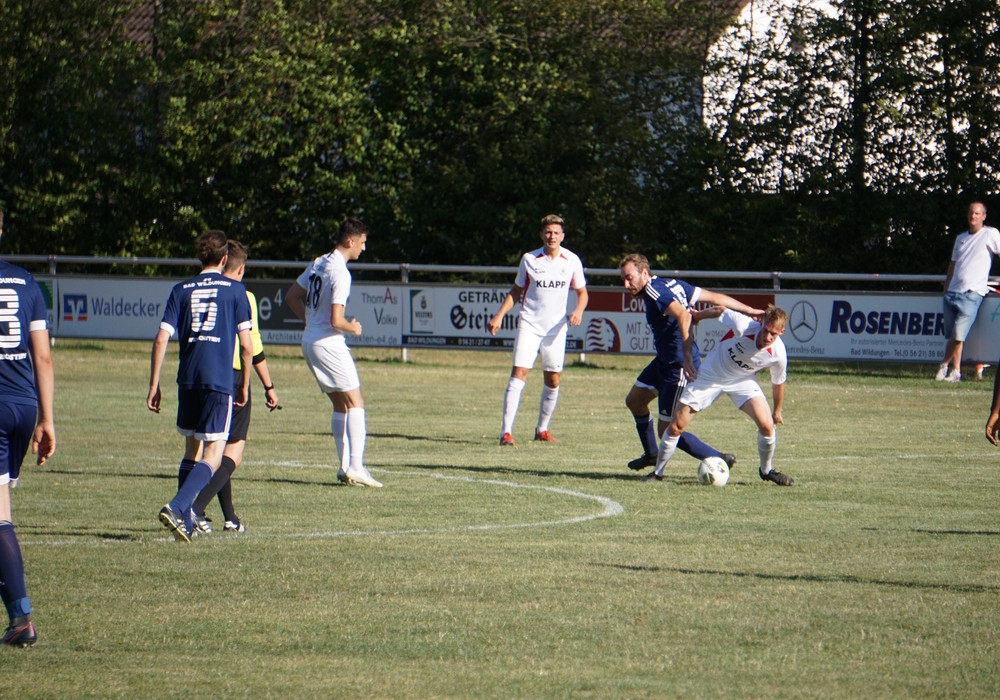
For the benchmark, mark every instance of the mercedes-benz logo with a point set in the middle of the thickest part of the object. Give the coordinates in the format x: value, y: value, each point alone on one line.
x: 803, y: 321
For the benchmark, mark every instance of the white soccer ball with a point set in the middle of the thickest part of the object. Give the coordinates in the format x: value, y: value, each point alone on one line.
x: 713, y: 471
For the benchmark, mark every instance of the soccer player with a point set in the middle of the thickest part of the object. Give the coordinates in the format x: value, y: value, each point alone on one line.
x: 232, y: 456
x: 670, y: 314
x: 319, y: 297
x: 730, y: 369
x: 542, y: 286
x: 26, y: 391
x: 209, y: 313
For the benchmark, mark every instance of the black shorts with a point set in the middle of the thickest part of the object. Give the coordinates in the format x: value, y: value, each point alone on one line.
x: 240, y: 424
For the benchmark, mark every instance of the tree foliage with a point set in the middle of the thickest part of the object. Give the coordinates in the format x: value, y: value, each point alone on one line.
x: 844, y: 138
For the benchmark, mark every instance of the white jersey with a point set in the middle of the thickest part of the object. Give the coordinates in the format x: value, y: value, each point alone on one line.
x: 973, y: 255
x: 736, y: 356
x: 546, y: 283
x: 327, y: 281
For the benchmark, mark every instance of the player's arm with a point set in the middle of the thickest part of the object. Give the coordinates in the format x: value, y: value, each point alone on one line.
x: 341, y: 323
x: 778, y: 397
x: 295, y: 300
x: 683, y: 317
x: 43, y: 441
x: 993, y: 421
x: 513, y: 296
x: 582, y: 298
x: 726, y: 301
x: 713, y: 311
x: 155, y: 367
x: 260, y: 367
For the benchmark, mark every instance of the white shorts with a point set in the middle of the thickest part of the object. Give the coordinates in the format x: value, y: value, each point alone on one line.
x: 700, y: 395
x: 528, y: 343
x: 332, y: 365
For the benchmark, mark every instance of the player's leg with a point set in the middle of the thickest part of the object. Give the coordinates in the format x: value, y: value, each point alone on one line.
x: 352, y: 405
x: 637, y: 401
x: 526, y: 345
x: 553, y: 351
x: 678, y: 424
x: 760, y: 411
x: 221, y: 484
x: 671, y: 388
x: 202, y: 417
x: 17, y: 424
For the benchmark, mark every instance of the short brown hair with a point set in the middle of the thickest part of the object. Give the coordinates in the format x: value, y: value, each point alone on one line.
x: 237, y: 255
x: 775, y: 317
x: 212, y: 247
x: 637, y: 259
x: 552, y: 219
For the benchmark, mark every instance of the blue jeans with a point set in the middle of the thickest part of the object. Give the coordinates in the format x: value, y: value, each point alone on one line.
x: 960, y: 311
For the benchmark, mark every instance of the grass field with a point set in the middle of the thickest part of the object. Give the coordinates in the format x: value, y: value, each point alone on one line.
x: 542, y: 571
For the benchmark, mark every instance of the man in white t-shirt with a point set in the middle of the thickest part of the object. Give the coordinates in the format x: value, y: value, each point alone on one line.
x: 730, y: 369
x: 542, y: 286
x: 965, y: 286
x: 319, y: 297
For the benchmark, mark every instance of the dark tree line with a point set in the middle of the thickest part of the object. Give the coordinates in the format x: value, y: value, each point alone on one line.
x: 828, y: 141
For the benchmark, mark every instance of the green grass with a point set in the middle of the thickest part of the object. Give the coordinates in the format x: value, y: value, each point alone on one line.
x: 543, y: 571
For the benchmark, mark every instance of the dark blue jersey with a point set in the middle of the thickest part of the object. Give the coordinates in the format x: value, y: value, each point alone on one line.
x: 207, y: 312
x: 658, y: 294
x: 22, y: 310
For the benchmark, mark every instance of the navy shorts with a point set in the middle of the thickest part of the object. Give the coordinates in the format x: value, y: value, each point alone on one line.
x: 204, y: 413
x: 667, y: 380
x: 17, y: 425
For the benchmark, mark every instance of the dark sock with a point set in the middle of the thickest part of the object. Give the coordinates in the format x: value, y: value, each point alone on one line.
x: 12, y: 588
x: 642, y: 426
x: 198, y: 479
x: 182, y: 474
x: 226, y: 492
x: 696, y: 448
x: 220, y: 480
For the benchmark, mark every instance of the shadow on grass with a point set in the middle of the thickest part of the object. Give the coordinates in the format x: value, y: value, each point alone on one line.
x: 507, y: 471
x: 424, y: 438
x: 808, y: 578
x: 935, y: 532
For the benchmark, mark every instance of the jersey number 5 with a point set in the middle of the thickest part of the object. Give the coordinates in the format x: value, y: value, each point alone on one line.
x: 204, y: 310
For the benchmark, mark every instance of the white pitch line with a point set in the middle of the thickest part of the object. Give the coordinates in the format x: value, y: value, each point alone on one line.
x: 611, y: 509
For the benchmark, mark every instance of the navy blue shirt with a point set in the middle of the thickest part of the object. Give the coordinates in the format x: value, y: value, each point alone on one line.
x: 22, y: 310
x: 207, y: 312
x: 657, y: 295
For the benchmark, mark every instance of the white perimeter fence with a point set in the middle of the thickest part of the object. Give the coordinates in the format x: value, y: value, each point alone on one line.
x: 832, y: 325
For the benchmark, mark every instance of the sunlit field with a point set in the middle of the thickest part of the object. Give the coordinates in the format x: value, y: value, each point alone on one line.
x: 538, y: 571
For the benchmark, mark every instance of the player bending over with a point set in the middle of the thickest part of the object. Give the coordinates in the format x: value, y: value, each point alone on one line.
x: 730, y: 369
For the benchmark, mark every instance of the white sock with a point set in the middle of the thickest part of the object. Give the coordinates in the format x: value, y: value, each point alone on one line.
x: 356, y: 434
x: 765, y: 448
x: 667, y: 448
x: 511, y: 399
x: 547, y: 407
x: 338, y: 426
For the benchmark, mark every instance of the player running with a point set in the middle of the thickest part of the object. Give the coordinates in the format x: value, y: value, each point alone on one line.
x: 542, y: 285
x: 730, y: 369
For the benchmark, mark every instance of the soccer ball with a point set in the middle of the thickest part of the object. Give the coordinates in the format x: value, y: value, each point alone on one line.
x: 713, y: 471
